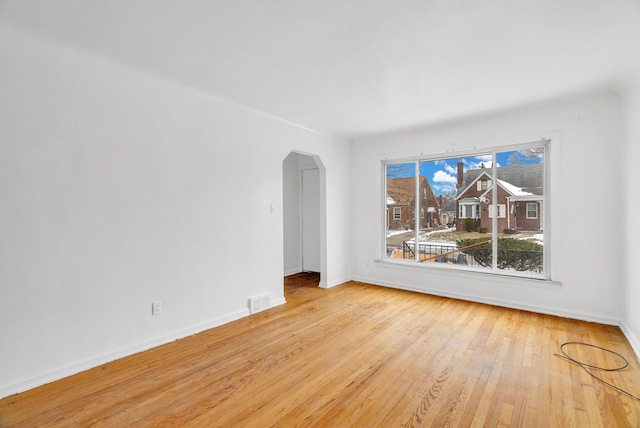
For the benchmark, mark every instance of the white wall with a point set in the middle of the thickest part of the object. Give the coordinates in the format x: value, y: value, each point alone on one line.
x: 631, y: 216
x: 291, y: 214
x: 586, y: 231
x: 119, y: 189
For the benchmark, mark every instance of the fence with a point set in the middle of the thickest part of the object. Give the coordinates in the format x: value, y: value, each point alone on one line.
x: 479, y: 255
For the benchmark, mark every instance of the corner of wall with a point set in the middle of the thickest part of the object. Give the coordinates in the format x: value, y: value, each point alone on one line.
x: 634, y: 341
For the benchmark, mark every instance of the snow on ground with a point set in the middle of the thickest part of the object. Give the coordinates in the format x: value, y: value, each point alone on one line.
x: 427, y: 237
x: 396, y: 232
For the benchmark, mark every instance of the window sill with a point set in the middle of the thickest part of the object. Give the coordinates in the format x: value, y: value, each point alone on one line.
x: 470, y: 273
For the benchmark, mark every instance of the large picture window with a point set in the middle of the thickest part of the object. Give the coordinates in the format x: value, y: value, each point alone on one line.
x: 460, y: 197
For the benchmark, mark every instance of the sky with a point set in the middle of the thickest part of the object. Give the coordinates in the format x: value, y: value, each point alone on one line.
x: 442, y: 173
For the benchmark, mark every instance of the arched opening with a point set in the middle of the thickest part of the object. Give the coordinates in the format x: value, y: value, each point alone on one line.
x: 304, y: 215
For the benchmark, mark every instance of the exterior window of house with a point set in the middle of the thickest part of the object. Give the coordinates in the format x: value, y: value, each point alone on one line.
x: 483, y: 184
x: 498, y: 197
x: 501, y: 210
x: 397, y: 213
x: 469, y: 211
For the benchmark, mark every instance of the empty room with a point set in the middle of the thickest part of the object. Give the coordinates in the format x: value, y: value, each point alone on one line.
x: 319, y: 213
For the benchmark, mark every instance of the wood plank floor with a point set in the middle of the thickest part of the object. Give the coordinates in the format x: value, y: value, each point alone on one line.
x: 355, y: 355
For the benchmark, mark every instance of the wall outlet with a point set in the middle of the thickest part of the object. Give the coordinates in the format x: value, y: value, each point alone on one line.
x: 156, y: 308
x: 259, y: 303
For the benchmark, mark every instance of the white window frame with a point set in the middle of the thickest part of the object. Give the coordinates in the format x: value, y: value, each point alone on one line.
x: 483, y: 185
x: 475, y: 210
x: 536, y: 210
x: 397, y: 213
x: 542, y: 208
x: 502, y: 209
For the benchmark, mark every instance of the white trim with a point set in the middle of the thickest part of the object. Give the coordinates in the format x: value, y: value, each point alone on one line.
x: 472, y: 273
x: 28, y: 382
x: 277, y: 302
x: 496, y: 302
x: 399, y: 211
x: 503, y: 211
x: 334, y: 283
x: 632, y: 338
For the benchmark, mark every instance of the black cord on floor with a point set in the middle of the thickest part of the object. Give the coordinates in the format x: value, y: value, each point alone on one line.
x: 586, y: 366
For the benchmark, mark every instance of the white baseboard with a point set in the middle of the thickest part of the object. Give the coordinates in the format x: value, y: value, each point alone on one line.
x: 42, y: 378
x: 497, y: 302
x: 333, y: 283
x: 39, y: 379
x: 292, y: 271
x: 277, y: 302
x: 632, y: 338
x: 626, y: 330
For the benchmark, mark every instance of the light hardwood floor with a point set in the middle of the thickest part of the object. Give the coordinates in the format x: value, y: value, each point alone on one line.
x: 355, y: 355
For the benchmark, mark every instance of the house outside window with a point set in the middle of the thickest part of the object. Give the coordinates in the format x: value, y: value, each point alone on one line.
x: 501, y: 211
x: 483, y: 185
x: 509, y: 181
x: 469, y: 210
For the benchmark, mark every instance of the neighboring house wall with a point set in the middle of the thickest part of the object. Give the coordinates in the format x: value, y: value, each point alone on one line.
x: 524, y: 219
x: 486, y: 221
x: 521, y: 214
x: 401, y: 209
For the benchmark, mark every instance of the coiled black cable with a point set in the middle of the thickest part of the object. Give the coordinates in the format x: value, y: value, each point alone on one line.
x: 586, y: 366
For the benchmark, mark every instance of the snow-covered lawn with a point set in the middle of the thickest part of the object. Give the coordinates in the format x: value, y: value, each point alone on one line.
x: 450, y: 236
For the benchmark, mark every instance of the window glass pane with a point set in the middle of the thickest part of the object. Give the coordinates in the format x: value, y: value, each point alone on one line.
x: 521, y: 179
x: 400, y: 210
x: 452, y: 212
x: 468, y: 217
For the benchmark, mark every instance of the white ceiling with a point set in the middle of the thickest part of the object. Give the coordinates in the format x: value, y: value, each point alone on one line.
x: 354, y: 67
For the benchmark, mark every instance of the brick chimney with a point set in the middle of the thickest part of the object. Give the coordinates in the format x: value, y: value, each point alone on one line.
x: 460, y: 173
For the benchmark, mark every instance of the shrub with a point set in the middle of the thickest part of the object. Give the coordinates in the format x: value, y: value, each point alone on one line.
x: 513, y: 254
x: 469, y: 225
x: 482, y: 230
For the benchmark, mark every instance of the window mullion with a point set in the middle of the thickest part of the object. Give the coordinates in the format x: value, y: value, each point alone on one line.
x: 416, y: 217
x: 494, y: 219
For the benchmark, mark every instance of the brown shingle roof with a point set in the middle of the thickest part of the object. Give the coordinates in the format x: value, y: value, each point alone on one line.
x: 402, y: 190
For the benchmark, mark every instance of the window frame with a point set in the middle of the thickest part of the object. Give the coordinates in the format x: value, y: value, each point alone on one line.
x: 397, y: 213
x: 537, y: 208
x: 543, y: 207
x: 502, y: 210
x: 475, y: 210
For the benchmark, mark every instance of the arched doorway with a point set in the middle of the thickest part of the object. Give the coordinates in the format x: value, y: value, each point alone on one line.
x: 304, y: 215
